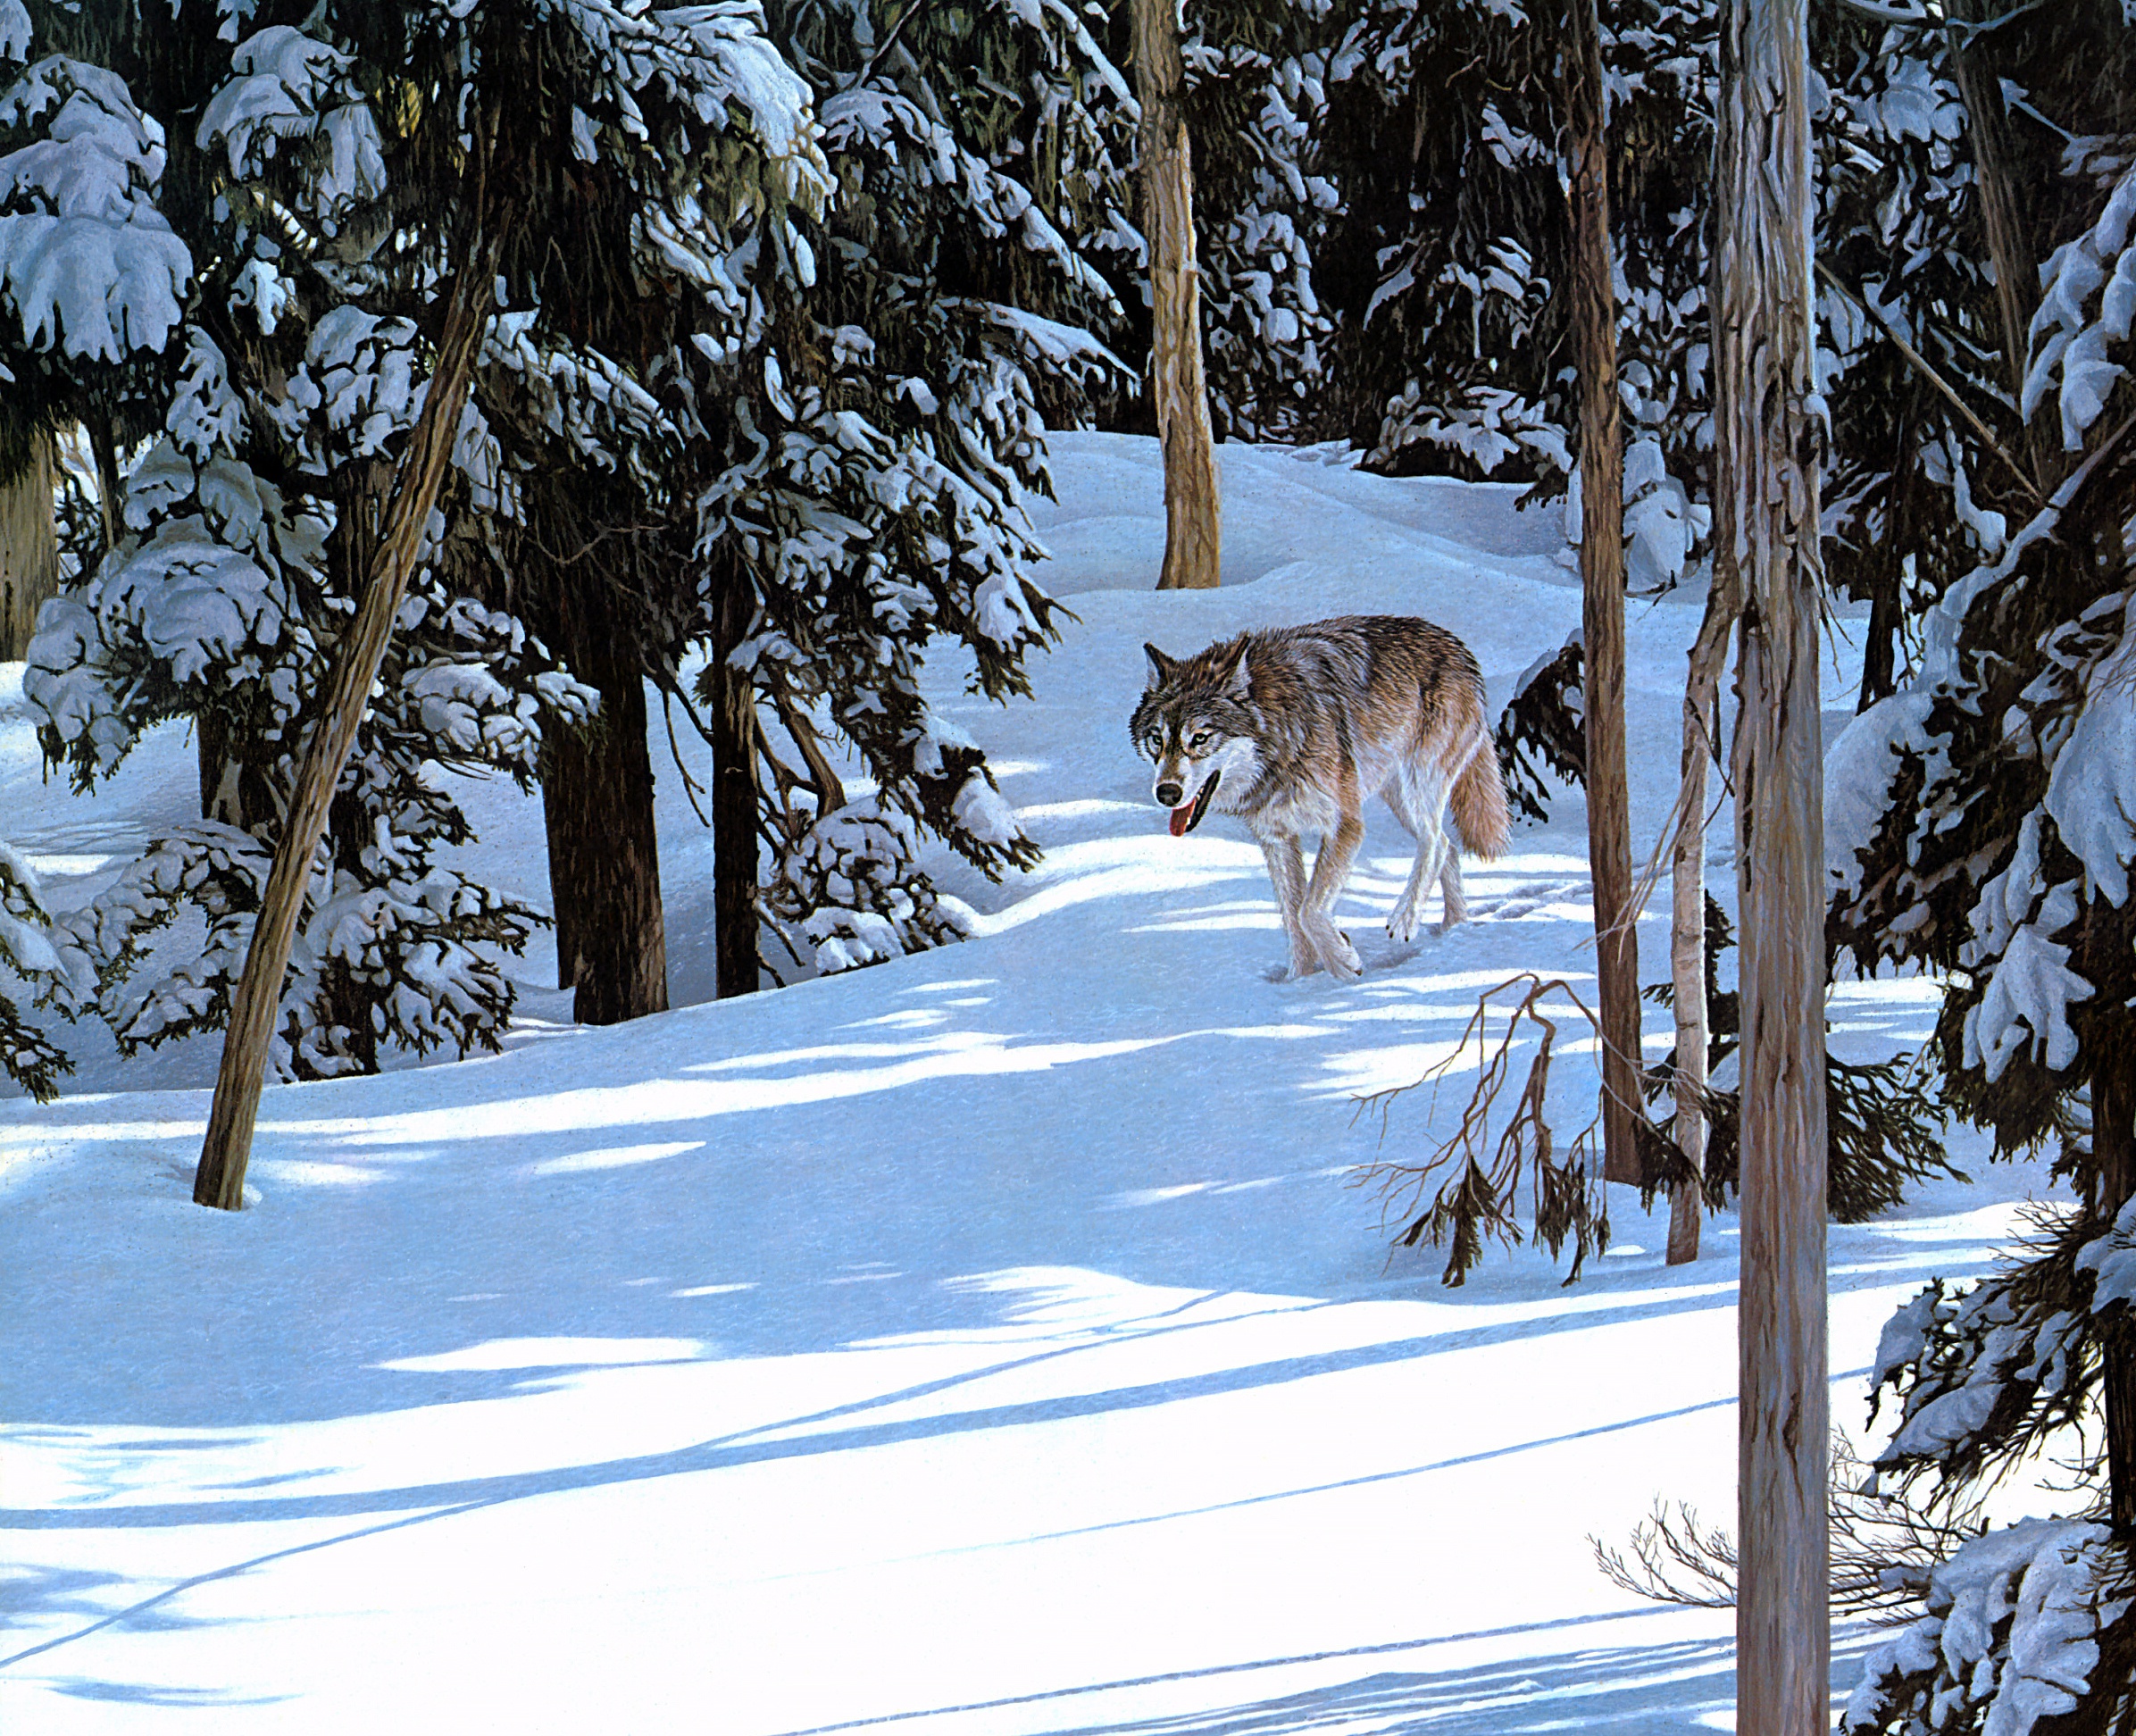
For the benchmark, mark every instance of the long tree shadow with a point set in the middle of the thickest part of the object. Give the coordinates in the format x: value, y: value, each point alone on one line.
x: 1661, y: 1689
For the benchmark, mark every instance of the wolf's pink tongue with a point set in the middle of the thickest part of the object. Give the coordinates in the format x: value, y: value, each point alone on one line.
x: 1181, y: 818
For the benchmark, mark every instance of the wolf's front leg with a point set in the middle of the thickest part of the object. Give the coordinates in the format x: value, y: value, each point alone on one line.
x: 1287, y: 874
x: 1330, y: 873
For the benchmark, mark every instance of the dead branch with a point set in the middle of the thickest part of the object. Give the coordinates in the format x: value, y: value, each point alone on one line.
x: 1465, y: 1189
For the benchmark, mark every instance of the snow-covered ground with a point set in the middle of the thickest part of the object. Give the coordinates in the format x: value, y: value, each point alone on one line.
x: 997, y: 1340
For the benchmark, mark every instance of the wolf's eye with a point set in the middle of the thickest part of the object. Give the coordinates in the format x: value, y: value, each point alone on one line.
x: 1200, y: 741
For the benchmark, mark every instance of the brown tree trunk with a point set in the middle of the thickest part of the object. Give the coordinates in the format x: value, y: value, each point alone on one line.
x: 1602, y: 590
x: 219, y: 1179
x: 1768, y: 446
x: 2113, y: 1153
x: 1686, y: 911
x: 28, y: 550
x: 2003, y: 220
x: 1880, y: 650
x: 597, y: 801
x: 1179, y: 393
x: 735, y: 807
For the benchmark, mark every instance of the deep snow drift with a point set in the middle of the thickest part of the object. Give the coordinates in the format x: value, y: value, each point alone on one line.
x: 993, y: 1340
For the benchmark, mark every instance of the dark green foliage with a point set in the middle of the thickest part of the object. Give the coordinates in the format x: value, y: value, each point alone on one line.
x: 1545, y: 722
x: 1884, y: 1120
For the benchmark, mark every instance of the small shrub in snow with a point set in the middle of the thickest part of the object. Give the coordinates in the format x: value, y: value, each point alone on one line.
x: 26, y: 951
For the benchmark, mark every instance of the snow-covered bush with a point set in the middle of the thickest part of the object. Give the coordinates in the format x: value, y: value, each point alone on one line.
x: 850, y: 892
x: 26, y: 951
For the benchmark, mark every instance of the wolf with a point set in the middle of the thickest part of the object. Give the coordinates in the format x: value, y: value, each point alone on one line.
x: 1294, y: 730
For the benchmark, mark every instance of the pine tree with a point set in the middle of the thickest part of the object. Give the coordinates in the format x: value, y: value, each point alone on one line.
x: 1987, y: 838
x: 869, y: 494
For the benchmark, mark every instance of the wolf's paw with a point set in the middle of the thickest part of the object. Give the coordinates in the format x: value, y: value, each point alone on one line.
x: 1341, y: 957
x: 1402, y: 924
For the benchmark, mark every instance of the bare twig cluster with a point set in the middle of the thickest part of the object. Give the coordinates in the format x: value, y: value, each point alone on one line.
x: 1468, y: 1187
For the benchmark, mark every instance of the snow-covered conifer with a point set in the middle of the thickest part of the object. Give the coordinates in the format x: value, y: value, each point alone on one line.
x: 1983, y: 830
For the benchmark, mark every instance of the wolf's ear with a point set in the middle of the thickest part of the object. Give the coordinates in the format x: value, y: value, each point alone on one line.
x: 1238, y: 680
x: 1160, y: 665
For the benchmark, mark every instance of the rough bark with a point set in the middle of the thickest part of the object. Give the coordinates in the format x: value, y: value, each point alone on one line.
x: 1687, y: 912
x: 733, y: 727
x: 596, y: 802
x: 1177, y: 391
x: 219, y: 1179
x: 1767, y: 450
x: 1602, y: 590
x: 28, y: 550
x: 2113, y: 1152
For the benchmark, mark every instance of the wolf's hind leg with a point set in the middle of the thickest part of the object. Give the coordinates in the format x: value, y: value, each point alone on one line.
x: 1287, y: 874
x: 1449, y: 885
x: 1436, y: 858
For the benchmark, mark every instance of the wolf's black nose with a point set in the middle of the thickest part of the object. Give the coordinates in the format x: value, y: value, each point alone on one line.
x: 1169, y: 794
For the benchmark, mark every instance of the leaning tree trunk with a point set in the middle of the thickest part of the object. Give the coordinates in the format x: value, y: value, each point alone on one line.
x: 597, y: 801
x: 219, y: 1179
x: 28, y: 550
x: 1768, y: 446
x: 1178, y: 390
x: 735, y: 808
x: 1602, y: 588
x: 1687, y: 914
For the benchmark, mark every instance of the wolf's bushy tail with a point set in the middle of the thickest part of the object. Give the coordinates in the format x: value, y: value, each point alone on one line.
x: 1478, y: 799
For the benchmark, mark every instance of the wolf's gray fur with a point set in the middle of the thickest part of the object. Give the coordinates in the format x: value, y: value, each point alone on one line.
x: 1296, y: 729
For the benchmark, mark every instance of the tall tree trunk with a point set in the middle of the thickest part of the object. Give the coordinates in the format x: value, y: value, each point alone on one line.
x: 597, y: 801
x: 1687, y: 911
x: 2113, y: 1154
x: 1602, y: 591
x: 28, y: 550
x: 1179, y: 392
x: 735, y: 812
x: 2003, y: 217
x: 1768, y: 446
x: 219, y: 1179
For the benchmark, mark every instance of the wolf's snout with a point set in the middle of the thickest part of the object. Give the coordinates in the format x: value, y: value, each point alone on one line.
x: 1169, y: 794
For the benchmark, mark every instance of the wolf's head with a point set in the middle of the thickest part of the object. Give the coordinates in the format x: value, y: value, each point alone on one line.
x: 1195, y: 724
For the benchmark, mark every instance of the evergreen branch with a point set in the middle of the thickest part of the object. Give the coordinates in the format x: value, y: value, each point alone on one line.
x: 889, y: 42
x: 1922, y: 366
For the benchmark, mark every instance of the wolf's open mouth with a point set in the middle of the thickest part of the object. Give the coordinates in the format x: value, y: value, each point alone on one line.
x: 1187, y: 816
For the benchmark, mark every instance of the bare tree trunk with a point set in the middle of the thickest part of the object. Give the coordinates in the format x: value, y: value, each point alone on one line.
x: 1179, y: 393
x: 2113, y: 1152
x: 219, y: 1180
x: 28, y: 550
x: 1687, y: 914
x: 1602, y: 588
x: 735, y: 808
x: 596, y: 803
x: 1768, y: 446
